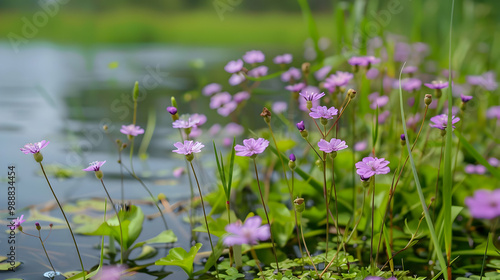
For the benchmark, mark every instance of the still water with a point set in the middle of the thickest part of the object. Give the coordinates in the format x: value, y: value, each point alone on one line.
x: 64, y: 95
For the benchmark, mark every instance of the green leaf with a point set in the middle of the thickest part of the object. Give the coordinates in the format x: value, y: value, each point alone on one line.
x: 147, y: 252
x: 179, y: 257
x: 166, y: 236
x: 5, y: 266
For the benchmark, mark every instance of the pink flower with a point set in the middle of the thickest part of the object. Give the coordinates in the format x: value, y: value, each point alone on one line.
x: 332, y: 146
x: 188, y: 147
x: 338, y: 79
x: 292, y: 73
x: 296, y: 88
x: 249, y: 233
x: 322, y: 72
x: 34, y: 148
x: 227, y: 108
x: 211, y: 89
x: 219, y: 99
x: 254, y: 57
x: 360, y: 146
x: 311, y: 96
x: 236, y: 79
x: 234, y: 66
x: 279, y: 107
x: 111, y: 272
x: 251, y: 147
x: 95, y: 166
x: 437, y: 85
x: 323, y: 112
x: 484, y: 204
x: 283, y: 59
x: 441, y: 121
x: 241, y: 96
x: 131, y: 130
x: 233, y: 129
x: 182, y: 123
x: 258, y: 71
x: 363, y: 60
x: 178, y: 172
x: 370, y: 166
x: 17, y: 221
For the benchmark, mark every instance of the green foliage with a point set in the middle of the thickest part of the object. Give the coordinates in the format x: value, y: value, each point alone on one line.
x: 179, y: 257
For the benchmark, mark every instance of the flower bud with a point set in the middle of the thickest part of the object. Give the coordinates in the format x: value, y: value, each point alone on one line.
x: 173, y: 101
x: 319, y: 164
x: 51, y: 225
x: 105, y: 127
x: 135, y: 92
x: 306, y: 68
x: 172, y: 110
x: 351, y: 93
x: 403, y: 139
x: 300, y: 126
x: 428, y: 99
x: 292, y: 163
x: 37, y: 225
x: 292, y: 157
x: 38, y: 157
x: 266, y: 114
x: 161, y: 196
x: 299, y: 205
x: 99, y: 174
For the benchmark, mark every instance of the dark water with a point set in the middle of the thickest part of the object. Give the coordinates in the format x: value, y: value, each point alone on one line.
x: 65, y: 95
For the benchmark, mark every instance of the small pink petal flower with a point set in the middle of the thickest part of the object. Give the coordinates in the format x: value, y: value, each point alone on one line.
x: 437, y: 85
x: 254, y: 57
x: 323, y: 112
x: 18, y: 221
x: 248, y: 233
x: 211, y: 89
x: 283, y: 59
x: 188, y: 147
x: 311, y: 96
x: 370, y: 166
x: 332, y: 146
x: 95, y: 166
x: 34, y: 148
x: 131, y: 130
x: 441, y: 121
x: 251, y: 147
x: 484, y: 204
x: 234, y: 66
x: 292, y: 73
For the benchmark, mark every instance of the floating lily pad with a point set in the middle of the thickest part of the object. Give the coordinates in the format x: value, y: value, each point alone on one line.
x: 179, y: 257
x: 5, y: 266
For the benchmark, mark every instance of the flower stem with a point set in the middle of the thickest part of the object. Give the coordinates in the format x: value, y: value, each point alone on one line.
x: 46, y: 254
x: 257, y: 263
x: 305, y: 245
x: 267, y: 216
x: 372, y: 263
x: 149, y: 192
x: 290, y: 189
x: 327, y: 208
x: 65, y: 218
x: 119, y: 221
x: 205, y: 216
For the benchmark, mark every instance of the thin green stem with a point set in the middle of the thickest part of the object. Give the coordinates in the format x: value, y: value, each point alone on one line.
x: 149, y: 192
x: 45, y: 250
x: 305, y: 245
x: 372, y: 263
x: 437, y: 181
x: 205, y: 216
x: 119, y: 221
x: 66, y: 219
x: 265, y: 211
x: 327, y: 206
x: 257, y: 263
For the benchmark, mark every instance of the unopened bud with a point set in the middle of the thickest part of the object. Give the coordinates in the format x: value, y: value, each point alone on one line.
x: 351, y: 93
x: 105, y: 127
x: 266, y: 114
x: 135, y: 92
x: 51, y: 225
x: 306, y: 68
x: 403, y: 139
x: 428, y: 99
x: 38, y: 227
x: 161, y: 196
x: 299, y: 205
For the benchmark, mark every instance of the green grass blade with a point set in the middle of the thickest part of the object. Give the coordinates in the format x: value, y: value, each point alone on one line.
x: 428, y: 220
x: 447, y: 176
x: 220, y: 170
x: 231, y: 165
x: 311, y: 25
x: 476, y: 155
